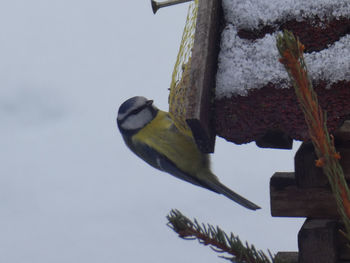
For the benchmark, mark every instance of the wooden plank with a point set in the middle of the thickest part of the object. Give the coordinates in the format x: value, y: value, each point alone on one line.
x: 287, y: 257
x: 307, y: 175
x: 201, y: 91
x: 288, y: 200
x: 317, y: 241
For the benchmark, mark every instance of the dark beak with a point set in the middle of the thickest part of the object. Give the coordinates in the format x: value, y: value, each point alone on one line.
x: 149, y: 102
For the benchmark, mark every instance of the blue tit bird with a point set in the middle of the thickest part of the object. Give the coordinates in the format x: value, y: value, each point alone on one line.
x: 152, y: 135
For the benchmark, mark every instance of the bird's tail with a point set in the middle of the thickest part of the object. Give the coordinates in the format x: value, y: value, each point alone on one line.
x: 237, y: 198
x: 222, y: 189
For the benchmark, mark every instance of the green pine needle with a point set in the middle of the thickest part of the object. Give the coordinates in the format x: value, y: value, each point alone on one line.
x: 217, y: 239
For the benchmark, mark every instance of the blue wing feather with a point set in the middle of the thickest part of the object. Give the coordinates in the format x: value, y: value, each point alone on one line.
x: 161, y: 162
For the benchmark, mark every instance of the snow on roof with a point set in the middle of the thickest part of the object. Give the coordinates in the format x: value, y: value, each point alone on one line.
x: 252, y: 13
x: 245, y: 64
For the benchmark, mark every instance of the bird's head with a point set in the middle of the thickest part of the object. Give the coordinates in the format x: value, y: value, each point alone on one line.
x: 135, y: 113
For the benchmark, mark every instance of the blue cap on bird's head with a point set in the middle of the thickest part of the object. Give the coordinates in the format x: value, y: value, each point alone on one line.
x: 132, y: 114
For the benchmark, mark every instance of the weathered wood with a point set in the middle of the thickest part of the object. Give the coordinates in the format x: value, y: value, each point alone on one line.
x: 317, y: 240
x: 342, y: 135
x: 287, y: 257
x: 275, y: 139
x: 288, y: 200
x: 343, y: 247
x: 308, y: 175
x: 199, y: 114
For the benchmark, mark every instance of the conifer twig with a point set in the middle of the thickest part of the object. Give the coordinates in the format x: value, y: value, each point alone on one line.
x: 291, y: 52
x: 217, y: 239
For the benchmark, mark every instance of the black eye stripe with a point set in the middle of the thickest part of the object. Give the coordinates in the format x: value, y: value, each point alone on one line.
x: 133, y: 112
x: 137, y: 110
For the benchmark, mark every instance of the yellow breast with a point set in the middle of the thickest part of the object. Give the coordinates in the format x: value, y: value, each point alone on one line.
x: 162, y: 135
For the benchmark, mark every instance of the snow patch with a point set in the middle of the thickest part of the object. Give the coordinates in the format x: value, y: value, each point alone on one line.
x: 245, y: 64
x: 252, y: 13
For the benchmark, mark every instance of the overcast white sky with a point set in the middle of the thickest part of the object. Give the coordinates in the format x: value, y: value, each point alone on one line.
x: 70, y: 190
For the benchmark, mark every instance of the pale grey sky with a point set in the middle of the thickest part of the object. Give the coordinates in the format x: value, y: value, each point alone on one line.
x: 70, y: 190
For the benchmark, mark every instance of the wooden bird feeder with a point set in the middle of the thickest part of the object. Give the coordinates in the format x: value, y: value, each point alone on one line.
x: 270, y: 116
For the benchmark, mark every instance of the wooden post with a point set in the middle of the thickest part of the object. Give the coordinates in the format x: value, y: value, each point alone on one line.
x: 306, y: 193
x: 201, y: 86
x: 317, y: 240
x: 307, y: 175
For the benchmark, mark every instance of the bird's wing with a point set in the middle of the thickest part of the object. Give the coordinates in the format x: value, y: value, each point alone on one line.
x: 161, y: 162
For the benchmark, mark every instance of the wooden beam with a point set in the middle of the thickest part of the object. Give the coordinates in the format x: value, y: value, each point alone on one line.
x: 287, y: 257
x: 288, y: 200
x: 317, y: 240
x: 202, y: 76
x: 275, y: 139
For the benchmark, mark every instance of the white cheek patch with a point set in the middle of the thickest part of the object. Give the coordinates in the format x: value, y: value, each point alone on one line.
x: 122, y: 115
x: 138, y: 120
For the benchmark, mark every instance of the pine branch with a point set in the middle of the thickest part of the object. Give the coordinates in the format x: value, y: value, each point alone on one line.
x: 291, y: 52
x: 217, y: 239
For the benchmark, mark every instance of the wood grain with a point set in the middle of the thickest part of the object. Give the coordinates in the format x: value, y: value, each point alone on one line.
x: 307, y: 175
x: 201, y: 91
x: 317, y: 240
x: 288, y: 200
